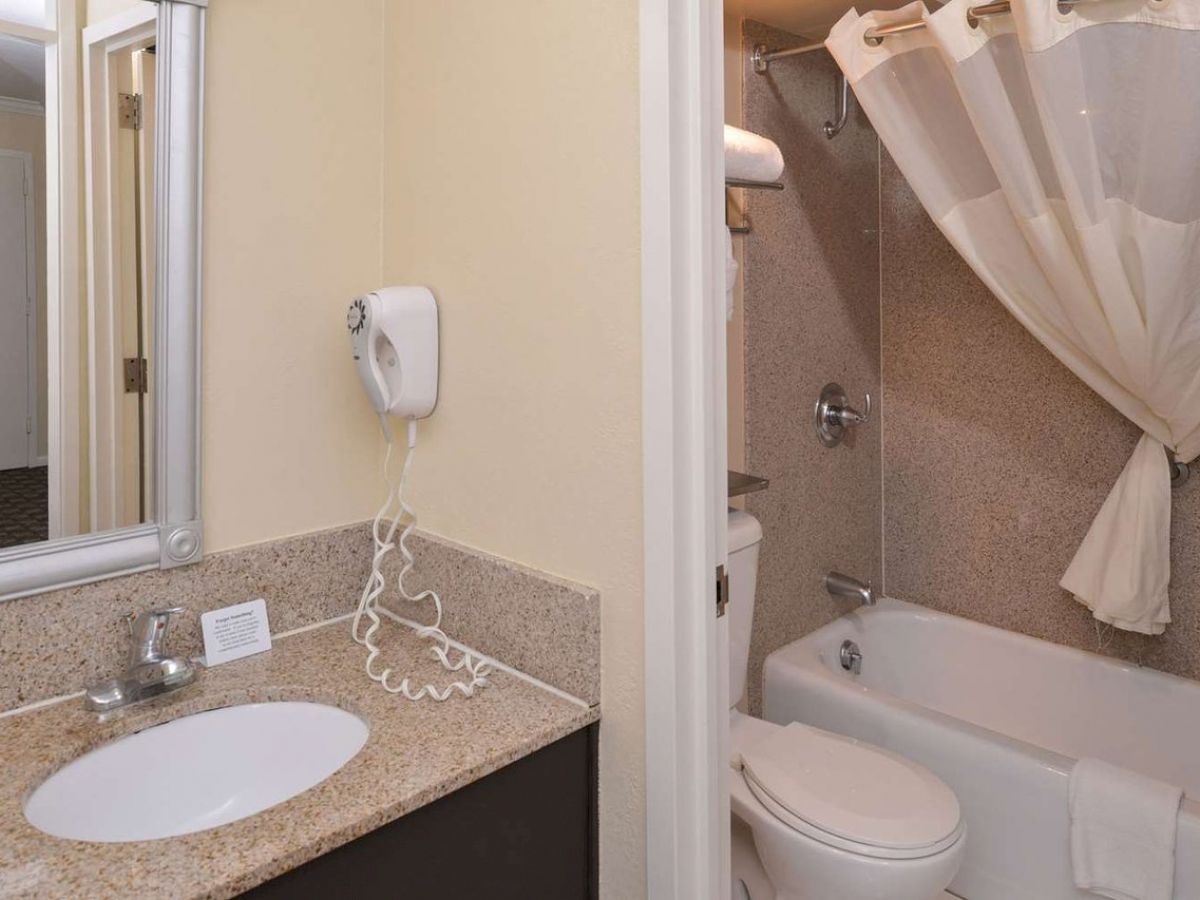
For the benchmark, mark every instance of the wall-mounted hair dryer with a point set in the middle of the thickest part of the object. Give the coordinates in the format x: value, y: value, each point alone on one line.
x: 394, y: 336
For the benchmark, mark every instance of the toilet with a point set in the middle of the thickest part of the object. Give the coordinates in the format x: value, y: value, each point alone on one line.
x: 832, y: 818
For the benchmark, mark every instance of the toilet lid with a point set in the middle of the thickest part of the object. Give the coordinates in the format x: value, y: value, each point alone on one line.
x: 827, y: 784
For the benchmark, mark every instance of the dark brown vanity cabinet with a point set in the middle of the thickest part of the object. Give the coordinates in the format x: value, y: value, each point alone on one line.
x: 525, y: 832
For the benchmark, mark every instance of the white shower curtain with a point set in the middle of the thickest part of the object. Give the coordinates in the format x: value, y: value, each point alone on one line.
x: 1059, y: 151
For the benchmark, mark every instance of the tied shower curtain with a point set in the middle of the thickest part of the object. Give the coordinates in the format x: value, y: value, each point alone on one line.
x: 1058, y: 149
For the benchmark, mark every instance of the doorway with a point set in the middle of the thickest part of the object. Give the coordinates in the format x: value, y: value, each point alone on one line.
x: 23, y: 489
x: 18, y: 319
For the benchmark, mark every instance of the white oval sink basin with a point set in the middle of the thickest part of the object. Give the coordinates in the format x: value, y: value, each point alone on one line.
x: 196, y: 772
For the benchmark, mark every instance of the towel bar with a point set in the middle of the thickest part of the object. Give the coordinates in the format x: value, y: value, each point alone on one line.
x: 754, y: 185
x: 744, y: 228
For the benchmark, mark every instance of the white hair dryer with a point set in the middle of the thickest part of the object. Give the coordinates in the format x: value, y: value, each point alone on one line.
x: 394, y: 336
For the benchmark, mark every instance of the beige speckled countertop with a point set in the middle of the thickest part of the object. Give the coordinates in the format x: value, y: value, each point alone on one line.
x: 416, y: 753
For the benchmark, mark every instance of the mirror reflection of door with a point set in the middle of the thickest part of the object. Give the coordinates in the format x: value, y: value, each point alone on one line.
x: 23, y: 484
x: 120, y: 127
x: 134, y: 192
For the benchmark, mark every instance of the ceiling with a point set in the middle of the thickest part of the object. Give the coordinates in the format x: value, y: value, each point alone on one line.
x: 808, y: 18
x: 22, y: 70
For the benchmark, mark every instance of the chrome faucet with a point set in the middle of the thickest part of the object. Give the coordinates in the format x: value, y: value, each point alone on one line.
x: 150, y: 671
x: 840, y: 585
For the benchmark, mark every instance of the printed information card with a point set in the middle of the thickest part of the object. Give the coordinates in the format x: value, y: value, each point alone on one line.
x: 235, y: 631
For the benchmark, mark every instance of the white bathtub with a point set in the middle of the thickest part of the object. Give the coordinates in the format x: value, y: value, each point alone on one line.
x: 1001, y: 718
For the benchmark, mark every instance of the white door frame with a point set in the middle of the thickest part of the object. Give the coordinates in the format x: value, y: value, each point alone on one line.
x: 684, y: 449
x: 31, y: 294
x: 130, y: 30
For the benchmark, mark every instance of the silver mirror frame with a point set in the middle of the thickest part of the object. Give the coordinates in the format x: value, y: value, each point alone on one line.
x: 175, y: 536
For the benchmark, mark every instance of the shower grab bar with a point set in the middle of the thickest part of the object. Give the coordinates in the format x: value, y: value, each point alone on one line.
x: 763, y: 56
x: 833, y: 129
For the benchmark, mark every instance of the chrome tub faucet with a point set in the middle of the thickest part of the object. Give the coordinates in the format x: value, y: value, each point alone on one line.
x: 840, y: 585
x: 150, y: 671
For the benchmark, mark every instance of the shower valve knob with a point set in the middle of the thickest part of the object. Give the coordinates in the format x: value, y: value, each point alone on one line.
x: 834, y: 414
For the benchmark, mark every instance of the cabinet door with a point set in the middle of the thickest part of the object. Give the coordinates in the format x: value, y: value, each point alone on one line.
x: 525, y: 831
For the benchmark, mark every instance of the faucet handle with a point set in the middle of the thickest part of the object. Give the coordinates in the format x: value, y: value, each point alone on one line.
x: 833, y: 414
x: 148, y: 631
x: 851, y: 416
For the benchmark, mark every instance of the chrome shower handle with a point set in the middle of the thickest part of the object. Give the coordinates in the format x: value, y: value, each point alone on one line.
x: 834, y: 414
x: 848, y: 416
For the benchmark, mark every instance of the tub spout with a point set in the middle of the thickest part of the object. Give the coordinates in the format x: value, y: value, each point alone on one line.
x: 840, y: 585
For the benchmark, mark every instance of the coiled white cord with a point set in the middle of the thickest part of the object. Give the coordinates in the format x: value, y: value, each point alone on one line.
x: 376, y: 584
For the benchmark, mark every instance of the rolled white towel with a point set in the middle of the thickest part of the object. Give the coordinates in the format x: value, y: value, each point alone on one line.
x: 751, y: 156
x: 1122, y: 832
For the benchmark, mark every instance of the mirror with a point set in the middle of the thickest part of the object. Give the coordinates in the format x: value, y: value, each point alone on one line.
x: 99, y: 233
x: 24, y: 499
x: 104, y: 396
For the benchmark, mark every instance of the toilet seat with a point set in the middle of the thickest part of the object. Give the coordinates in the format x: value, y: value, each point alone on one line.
x: 847, y: 794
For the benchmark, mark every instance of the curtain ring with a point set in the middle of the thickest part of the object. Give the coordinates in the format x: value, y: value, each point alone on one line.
x: 1180, y: 472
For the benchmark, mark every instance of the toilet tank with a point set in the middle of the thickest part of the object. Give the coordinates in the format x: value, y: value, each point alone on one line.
x: 744, y: 535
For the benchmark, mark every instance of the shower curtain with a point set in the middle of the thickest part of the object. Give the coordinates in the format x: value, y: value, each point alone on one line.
x: 1058, y: 149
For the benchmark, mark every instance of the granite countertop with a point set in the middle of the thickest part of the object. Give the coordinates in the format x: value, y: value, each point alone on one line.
x: 416, y: 752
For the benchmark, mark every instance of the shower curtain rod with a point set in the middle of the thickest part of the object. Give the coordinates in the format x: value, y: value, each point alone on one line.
x: 763, y: 56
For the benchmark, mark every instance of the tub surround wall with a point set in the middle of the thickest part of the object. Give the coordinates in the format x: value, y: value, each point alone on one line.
x: 60, y: 642
x: 994, y: 457
x: 734, y: 333
x: 811, y: 317
x: 997, y: 458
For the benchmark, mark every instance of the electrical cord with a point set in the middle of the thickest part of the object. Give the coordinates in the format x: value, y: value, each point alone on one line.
x: 376, y: 584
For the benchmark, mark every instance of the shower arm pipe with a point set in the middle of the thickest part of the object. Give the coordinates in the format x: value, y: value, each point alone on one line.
x: 763, y: 56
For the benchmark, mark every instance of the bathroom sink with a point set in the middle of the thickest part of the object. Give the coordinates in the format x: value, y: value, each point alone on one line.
x: 196, y: 772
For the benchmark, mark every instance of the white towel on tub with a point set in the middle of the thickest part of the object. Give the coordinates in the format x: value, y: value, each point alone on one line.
x: 1122, y: 832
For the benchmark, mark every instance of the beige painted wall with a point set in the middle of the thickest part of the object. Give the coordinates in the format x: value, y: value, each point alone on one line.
x: 19, y: 131
x: 511, y: 170
x: 508, y: 172
x: 293, y: 173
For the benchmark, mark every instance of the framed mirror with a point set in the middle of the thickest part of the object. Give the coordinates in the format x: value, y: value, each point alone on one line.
x: 100, y: 186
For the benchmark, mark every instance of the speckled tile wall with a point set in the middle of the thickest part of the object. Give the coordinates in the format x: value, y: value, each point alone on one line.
x: 811, y: 317
x: 989, y: 459
x: 996, y: 457
x: 59, y: 642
